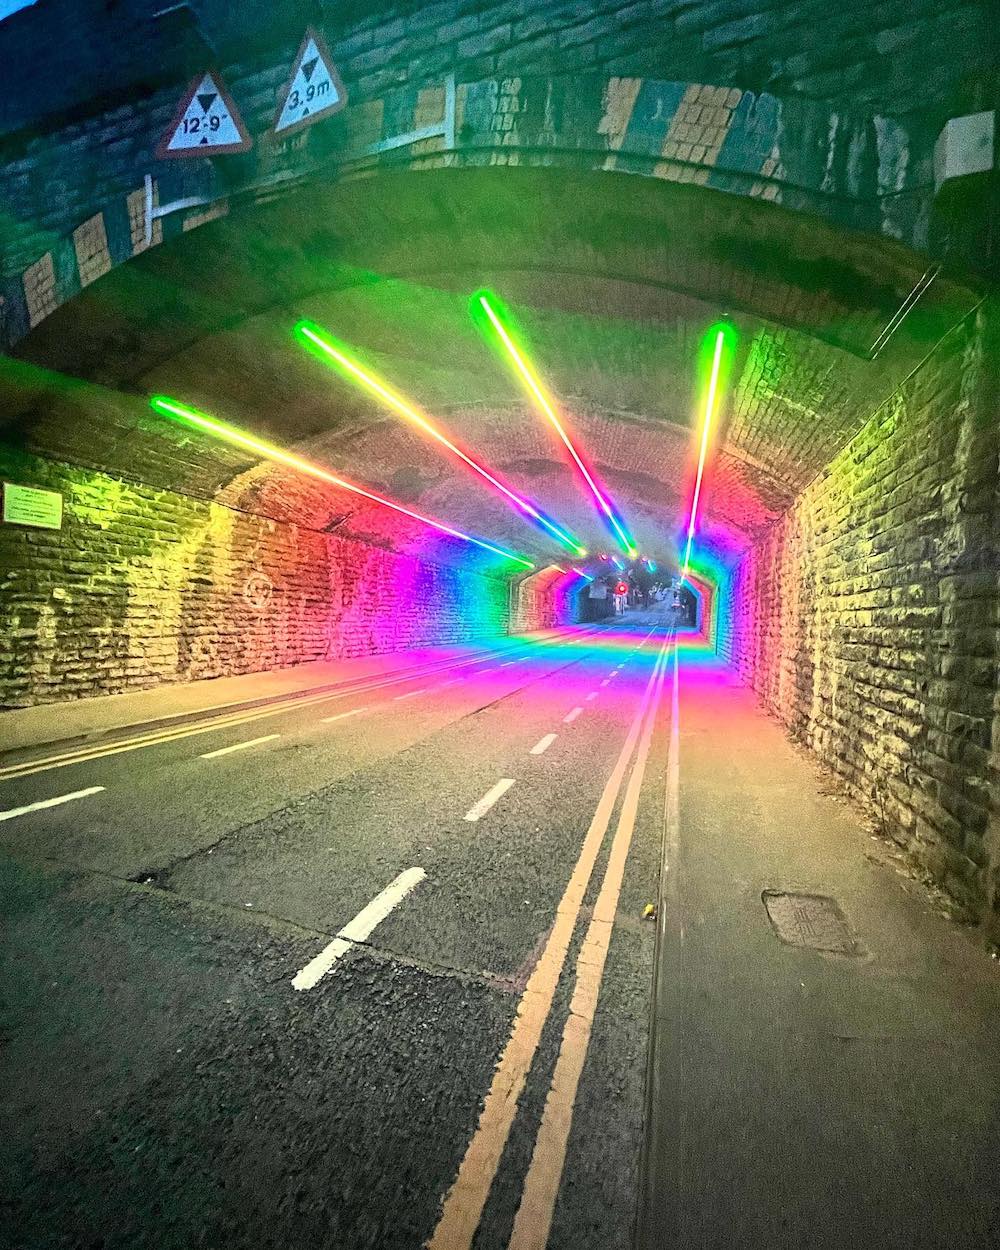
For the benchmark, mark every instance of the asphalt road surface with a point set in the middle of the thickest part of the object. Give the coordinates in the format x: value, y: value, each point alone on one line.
x: 195, y: 1058
x: 368, y: 968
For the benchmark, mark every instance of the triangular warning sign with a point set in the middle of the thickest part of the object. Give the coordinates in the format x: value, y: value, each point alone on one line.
x: 313, y: 91
x: 206, y: 123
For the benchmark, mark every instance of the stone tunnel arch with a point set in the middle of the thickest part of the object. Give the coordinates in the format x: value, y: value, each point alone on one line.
x: 612, y: 291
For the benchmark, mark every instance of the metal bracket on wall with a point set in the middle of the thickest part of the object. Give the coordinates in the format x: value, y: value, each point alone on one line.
x: 443, y: 129
x: 155, y: 212
x: 897, y: 318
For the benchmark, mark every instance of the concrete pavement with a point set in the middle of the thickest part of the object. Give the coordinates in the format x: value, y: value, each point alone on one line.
x: 38, y: 726
x: 801, y: 1095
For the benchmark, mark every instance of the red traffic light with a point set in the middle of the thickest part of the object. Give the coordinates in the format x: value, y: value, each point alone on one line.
x: 621, y: 588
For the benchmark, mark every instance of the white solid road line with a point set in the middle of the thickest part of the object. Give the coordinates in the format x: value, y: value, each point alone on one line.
x: 489, y: 798
x: 454, y: 682
x: 359, y: 929
x: 542, y: 744
x: 38, y: 807
x: 239, y: 746
x: 328, y: 720
x: 508, y: 663
x: 571, y: 716
x: 410, y: 694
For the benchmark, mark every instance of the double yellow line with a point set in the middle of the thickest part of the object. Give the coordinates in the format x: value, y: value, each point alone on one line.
x: 156, y: 737
x: 82, y: 755
x: 463, y: 1206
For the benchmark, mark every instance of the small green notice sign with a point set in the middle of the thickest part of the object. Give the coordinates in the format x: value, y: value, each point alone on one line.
x: 27, y: 505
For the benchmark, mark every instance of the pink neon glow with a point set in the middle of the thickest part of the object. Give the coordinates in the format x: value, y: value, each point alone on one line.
x: 713, y: 387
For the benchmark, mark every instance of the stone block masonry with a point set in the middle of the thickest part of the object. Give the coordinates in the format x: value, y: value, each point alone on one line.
x: 80, y: 116
x: 868, y: 619
x: 143, y: 586
x: 547, y: 599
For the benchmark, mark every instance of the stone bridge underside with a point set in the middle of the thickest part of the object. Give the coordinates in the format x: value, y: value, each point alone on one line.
x: 613, y: 279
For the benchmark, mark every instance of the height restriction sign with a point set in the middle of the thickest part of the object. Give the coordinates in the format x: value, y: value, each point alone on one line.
x: 206, y: 123
x: 314, y: 89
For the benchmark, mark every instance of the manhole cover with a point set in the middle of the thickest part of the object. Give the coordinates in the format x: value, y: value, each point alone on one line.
x: 812, y: 920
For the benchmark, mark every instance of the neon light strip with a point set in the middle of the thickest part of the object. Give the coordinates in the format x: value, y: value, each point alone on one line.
x: 171, y: 408
x: 542, y: 400
x: 713, y: 388
x: 304, y: 330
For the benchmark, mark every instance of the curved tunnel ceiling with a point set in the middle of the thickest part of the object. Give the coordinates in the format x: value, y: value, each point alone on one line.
x: 613, y: 285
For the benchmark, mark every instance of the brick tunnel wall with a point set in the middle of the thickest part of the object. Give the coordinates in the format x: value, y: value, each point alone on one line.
x: 547, y: 599
x: 535, y: 603
x: 868, y: 620
x: 143, y: 586
x: 81, y: 115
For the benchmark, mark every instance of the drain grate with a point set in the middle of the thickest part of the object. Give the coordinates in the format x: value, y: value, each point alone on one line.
x: 811, y: 920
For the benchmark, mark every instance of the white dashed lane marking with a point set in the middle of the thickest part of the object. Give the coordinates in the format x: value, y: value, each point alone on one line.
x: 489, y: 798
x: 239, y: 746
x: 542, y: 744
x: 46, y: 803
x: 359, y: 929
x: 355, y: 711
x: 571, y: 717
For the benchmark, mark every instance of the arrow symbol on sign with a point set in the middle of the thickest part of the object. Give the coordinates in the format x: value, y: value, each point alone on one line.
x: 207, y: 100
x: 309, y: 66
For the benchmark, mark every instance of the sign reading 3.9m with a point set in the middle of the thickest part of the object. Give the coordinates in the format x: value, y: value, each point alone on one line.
x: 314, y: 89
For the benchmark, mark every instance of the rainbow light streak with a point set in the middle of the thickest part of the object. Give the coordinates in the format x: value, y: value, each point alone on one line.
x: 721, y: 333
x: 317, y: 339
x: 530, y: 379
x: 171, y: 408
x: 711, y: 580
